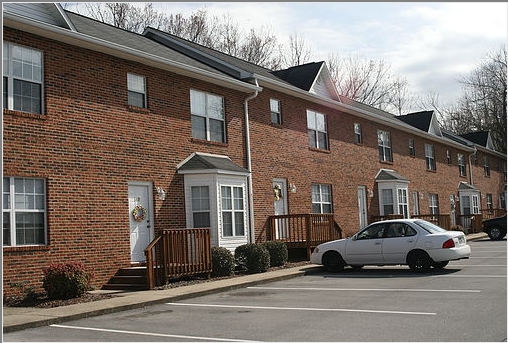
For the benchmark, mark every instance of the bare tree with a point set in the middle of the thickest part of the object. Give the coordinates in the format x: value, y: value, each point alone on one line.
x: 482, y: 105
x: 296, y: 53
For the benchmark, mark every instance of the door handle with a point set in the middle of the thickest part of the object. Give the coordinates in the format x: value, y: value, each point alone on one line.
x: 377, y: 243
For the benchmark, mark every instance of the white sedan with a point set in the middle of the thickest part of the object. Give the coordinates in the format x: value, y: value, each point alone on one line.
x: 413, y: 242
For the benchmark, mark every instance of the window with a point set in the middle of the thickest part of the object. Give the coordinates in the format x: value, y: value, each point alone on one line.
x: 429, y: 157
x: 275, y: 111
x: 412, y: 151
x: 22, y: 78
x: 136, y: 89
x: 207, y: 112
x: 387, y: 201
x: 476, y: 204
x: 449, y: 157
x: 24, y: 211
x: 200, y: 206
x: 489, y: 201
x: 486, y: 166
x: 233, y: 218
x: 462, y: 164
x: 358, y: 133
x: 321, y: 198
x: 316, y: 128
x: 402, y: 202
x: 433, y: 204
x: 385, y: 146
x: 466, y: 205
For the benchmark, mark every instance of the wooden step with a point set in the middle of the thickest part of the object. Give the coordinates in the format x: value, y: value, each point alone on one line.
x: 131, y: 278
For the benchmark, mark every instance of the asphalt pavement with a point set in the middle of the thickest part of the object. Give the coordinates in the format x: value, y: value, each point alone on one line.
x: 21, y: 318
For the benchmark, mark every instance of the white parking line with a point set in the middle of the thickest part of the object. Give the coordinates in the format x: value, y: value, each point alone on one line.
x: 367, y: 289
x: 147, y: 333
x: 302, y: 309
x: 466, y: 276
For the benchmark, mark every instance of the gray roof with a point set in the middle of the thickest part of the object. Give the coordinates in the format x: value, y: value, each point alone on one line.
x: 132, y: 40
x: 199, y: 162
x: 389, y: 175
x: 465, y: 186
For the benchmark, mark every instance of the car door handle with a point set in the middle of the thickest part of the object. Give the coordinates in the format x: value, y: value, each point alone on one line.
x: 410, y: 241
x: 377, y: 243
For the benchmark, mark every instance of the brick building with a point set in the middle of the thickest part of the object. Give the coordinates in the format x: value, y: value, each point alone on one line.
x: 110, y: 137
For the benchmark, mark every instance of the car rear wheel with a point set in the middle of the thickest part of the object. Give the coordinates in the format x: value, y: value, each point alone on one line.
x: 333, y: 262
x: 496, y: 233
x: 439, y: 265
x: 419, y: 261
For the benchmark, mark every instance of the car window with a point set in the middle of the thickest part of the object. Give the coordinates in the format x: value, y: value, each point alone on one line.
x: 373, y: 231
x: 429, y: 227
x: 399, y: 230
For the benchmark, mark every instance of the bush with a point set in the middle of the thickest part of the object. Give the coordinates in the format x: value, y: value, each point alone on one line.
x: 66, y: 280
x: 254, y: 258
x: 278, y: 252
x: 223, y: 262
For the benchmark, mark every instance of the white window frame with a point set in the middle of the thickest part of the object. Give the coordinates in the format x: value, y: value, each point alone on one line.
x: 275, y: 112
x: 358, y: 133
x: 200, y: 204
x: 26, y: 65
x: 210, y: 108
x: 322, y: 199
x: 385, y: 146
x: 412, y: 150
x: 234, y: 207
x: 403, y: 202
x: 23, y: 202
x: 136, y: 86
x: 433, y: 203
x: 430, y: 158
x: 486, y: 166
x: 317, y: 130
x: 461, y: 161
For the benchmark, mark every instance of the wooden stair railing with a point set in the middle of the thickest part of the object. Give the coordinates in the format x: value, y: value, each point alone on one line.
x: 178, y: 252
x: 303, y: 230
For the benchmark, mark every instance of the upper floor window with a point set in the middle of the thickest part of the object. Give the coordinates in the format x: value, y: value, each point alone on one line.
x: 385, y: 146
x: 317, y: 130
x: 24, y: 211
x: 321, y: 198
x: 358, y: 133
x: 232, y: 209
x: 449, y: 157
x: 275, y: 113
x: 462, y: 164
x: 430, y: 157
x: 136, y: 86
x: 22, y: 78
x: 207, y: 112
x: 488, y: 197
x: 486, y: 166
x: 412, y: 150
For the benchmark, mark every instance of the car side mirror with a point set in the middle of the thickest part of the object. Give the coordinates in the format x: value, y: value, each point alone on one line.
x: 354, y: 237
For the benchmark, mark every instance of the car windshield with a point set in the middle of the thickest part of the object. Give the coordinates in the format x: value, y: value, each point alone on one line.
x: 429, y: 227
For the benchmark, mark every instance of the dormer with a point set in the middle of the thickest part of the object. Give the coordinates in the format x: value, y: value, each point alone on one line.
x: 48, y: 13
x: 424, y: 120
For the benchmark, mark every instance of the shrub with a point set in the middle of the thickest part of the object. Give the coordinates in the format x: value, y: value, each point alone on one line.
x: 278, y: 252
x: 254, y: 258
x: 223, y: 262
x: 66, y: 280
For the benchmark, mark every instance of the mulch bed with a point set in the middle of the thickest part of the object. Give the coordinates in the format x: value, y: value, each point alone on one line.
x: 40, y: 300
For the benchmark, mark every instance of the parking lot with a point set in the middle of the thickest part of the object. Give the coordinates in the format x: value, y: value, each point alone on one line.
x: 466, y: 301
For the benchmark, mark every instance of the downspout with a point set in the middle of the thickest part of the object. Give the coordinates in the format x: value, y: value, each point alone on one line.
x: 471, y: 167
x: 249, y: 163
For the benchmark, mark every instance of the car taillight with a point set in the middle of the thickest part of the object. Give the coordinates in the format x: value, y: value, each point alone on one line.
x: 449, y: 244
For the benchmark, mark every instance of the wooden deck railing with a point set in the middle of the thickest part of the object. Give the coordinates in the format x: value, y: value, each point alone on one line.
x: 178, y: 252
x: 303, y: 230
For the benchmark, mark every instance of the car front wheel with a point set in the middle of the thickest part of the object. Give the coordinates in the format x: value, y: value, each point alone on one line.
x: 496, y: 233
x: 333, y: 262
x: 419, y: 261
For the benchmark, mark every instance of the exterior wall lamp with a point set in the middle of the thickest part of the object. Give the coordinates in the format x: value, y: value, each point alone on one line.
x: 161, y: 193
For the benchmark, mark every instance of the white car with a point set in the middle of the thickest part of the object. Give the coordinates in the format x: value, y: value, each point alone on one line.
x: 413, y: 242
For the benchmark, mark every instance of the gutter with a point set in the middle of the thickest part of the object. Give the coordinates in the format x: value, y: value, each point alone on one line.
x: 471, y: 167
x: 252, y: 237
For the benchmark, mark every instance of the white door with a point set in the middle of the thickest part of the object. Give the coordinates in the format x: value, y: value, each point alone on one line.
x: 362, y: 206
x: 280, y: 206
x: 141, y: 232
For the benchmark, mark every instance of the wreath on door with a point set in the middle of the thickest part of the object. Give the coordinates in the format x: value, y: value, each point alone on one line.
x: 138, y: 213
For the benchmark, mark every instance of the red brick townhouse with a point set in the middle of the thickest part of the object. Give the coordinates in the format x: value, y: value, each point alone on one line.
x: 110, y: 137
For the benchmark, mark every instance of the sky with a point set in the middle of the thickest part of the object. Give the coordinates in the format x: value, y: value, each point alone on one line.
x: 431, y: 44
